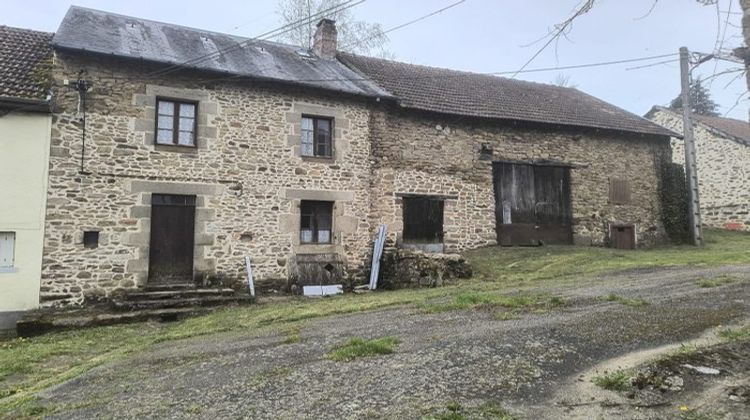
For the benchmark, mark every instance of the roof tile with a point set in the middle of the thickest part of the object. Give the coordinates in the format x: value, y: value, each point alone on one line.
x: 23, y: 55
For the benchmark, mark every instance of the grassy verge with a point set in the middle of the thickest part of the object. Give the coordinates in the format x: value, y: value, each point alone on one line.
x: 359, y: 347
x: 522, y: 266
x: 30, y: 365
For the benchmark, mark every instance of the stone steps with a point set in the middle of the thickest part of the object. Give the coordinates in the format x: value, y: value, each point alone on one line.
x: 180, y: 301
x: 43, y: 322
x: 160, y: 303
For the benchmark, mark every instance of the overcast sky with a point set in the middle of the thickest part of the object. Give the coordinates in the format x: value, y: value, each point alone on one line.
x: 489, y: 36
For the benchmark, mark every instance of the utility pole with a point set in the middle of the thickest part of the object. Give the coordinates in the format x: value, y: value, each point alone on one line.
x: 691, y: 167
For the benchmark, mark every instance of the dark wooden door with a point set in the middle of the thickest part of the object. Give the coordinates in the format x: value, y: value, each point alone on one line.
x: 623, y: 236
x: 532, y: 204
x: 172, y: 239
x: 423, y: 220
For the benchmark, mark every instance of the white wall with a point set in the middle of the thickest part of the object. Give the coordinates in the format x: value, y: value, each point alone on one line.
x: 24, y: 157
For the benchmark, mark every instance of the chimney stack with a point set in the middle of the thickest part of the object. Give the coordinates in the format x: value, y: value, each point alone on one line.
x: 324, y: 42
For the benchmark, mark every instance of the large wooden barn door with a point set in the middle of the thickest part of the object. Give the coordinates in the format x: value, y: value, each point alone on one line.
x: 172, y: 239
x: 532, y: 204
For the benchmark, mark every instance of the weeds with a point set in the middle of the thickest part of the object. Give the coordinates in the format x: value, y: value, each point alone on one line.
x: 455, y: 411
x: 359, y: 347
x: 735, y: 334
x: 617, y: 380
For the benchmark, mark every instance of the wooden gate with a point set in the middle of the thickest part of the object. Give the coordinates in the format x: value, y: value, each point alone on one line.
x: 532, y: 204
x: 172, y: 239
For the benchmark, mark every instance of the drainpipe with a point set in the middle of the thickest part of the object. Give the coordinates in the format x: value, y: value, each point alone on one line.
x: 82, y: 86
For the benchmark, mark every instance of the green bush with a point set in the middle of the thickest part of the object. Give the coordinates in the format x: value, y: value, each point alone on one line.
x: 675, y: 202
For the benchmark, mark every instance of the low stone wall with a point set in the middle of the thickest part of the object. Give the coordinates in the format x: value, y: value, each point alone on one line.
x: 411, y: 268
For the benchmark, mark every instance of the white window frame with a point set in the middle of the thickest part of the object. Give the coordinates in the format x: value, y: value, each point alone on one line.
x: 7, y: 251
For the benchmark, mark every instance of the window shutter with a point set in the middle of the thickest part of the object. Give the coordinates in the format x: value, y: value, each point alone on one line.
x: 619, y: 191
x: 7, y: 249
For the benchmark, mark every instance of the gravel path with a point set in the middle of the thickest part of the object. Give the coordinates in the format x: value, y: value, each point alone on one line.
x: 470, y: 357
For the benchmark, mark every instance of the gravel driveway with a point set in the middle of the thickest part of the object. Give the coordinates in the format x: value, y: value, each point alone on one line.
x: 470, y: 357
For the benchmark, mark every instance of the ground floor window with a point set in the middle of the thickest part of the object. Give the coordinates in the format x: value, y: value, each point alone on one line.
x: 423, y: 220
x: 7, y: 249
x: 316, y: 223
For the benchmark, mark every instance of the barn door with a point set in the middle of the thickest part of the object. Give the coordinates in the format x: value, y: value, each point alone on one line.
x: 532, y: 204
x: 172, y: 239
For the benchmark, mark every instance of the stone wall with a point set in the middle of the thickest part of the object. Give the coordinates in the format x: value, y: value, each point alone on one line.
x: 246, y: 173
x: 433, y: 155
x: 723, y: 172
x: 249, y: 178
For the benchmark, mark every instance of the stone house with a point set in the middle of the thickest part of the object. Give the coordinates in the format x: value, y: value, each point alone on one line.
x: 723, y: 159
x: 25, y: 122
x: 176, y: 152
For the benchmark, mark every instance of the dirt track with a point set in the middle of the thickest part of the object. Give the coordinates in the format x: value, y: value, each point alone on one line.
x: 533, y: 365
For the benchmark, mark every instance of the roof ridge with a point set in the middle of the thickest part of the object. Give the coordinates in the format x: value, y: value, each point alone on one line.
x: 19, y: 29
x: 464, y: 72
x: 239, y: 38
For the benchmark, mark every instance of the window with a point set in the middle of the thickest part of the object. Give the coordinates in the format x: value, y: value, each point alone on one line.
x: 176, y: 122
x: 423, y: 220
x: 7, y: 249
x: 619, y: 191
x: 316, y: 223
x: 91, y: 239
x: 317, y: 137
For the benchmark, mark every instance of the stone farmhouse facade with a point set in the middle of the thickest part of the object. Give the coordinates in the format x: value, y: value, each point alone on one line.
x: 723, y: 157
x: 177, y: 152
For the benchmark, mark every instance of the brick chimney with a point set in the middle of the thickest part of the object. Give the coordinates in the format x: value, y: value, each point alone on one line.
x: 324, y: 42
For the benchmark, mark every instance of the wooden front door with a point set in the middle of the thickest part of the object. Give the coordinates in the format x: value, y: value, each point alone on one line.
x: 172, y: 239
x: 532, y: 204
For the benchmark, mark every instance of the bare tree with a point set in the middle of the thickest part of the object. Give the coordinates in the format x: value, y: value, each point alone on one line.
x: 354, y: 35
x: 563, y: 80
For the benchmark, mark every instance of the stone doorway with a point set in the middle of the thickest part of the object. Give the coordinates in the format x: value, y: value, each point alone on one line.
x: 172, y: 239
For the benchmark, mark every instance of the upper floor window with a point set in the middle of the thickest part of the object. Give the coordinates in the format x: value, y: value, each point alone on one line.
x: 317, y: 137
x: 619, y: 191
x: 176, y: 122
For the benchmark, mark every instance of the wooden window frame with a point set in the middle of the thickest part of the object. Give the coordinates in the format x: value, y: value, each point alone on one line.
x: 316, y: 206
x: 623, y: 187
x: 315, y: 120
x: 176, y: 122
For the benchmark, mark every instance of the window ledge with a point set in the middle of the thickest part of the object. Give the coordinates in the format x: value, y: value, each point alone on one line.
x: 319, y: 159
x: 8, y: 270
x: 175, y: 148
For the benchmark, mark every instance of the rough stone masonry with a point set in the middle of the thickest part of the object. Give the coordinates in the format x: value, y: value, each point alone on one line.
x: 249, y: 178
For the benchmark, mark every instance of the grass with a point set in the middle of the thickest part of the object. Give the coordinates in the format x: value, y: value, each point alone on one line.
x: 521, y: 266
x: 617, y: 380
x: 623, y: 300
x: 736, y: 334
x: 717, y: 281
x: 358, y: 347
x: 29, y: 365
x: 455, y: 411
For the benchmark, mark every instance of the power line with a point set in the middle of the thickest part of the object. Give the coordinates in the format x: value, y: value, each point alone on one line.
x: 582, y: 10
x: 275, y: 32
x: 403, y: 25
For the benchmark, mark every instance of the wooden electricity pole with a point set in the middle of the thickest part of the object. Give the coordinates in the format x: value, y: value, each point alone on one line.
x: 691, y: 167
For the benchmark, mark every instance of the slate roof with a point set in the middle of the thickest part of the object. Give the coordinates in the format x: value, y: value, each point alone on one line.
x: 95, y: 31
x: 23, y: 55
x: 487, y: 96
x: 730, y: 128
x: 738, y: 129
